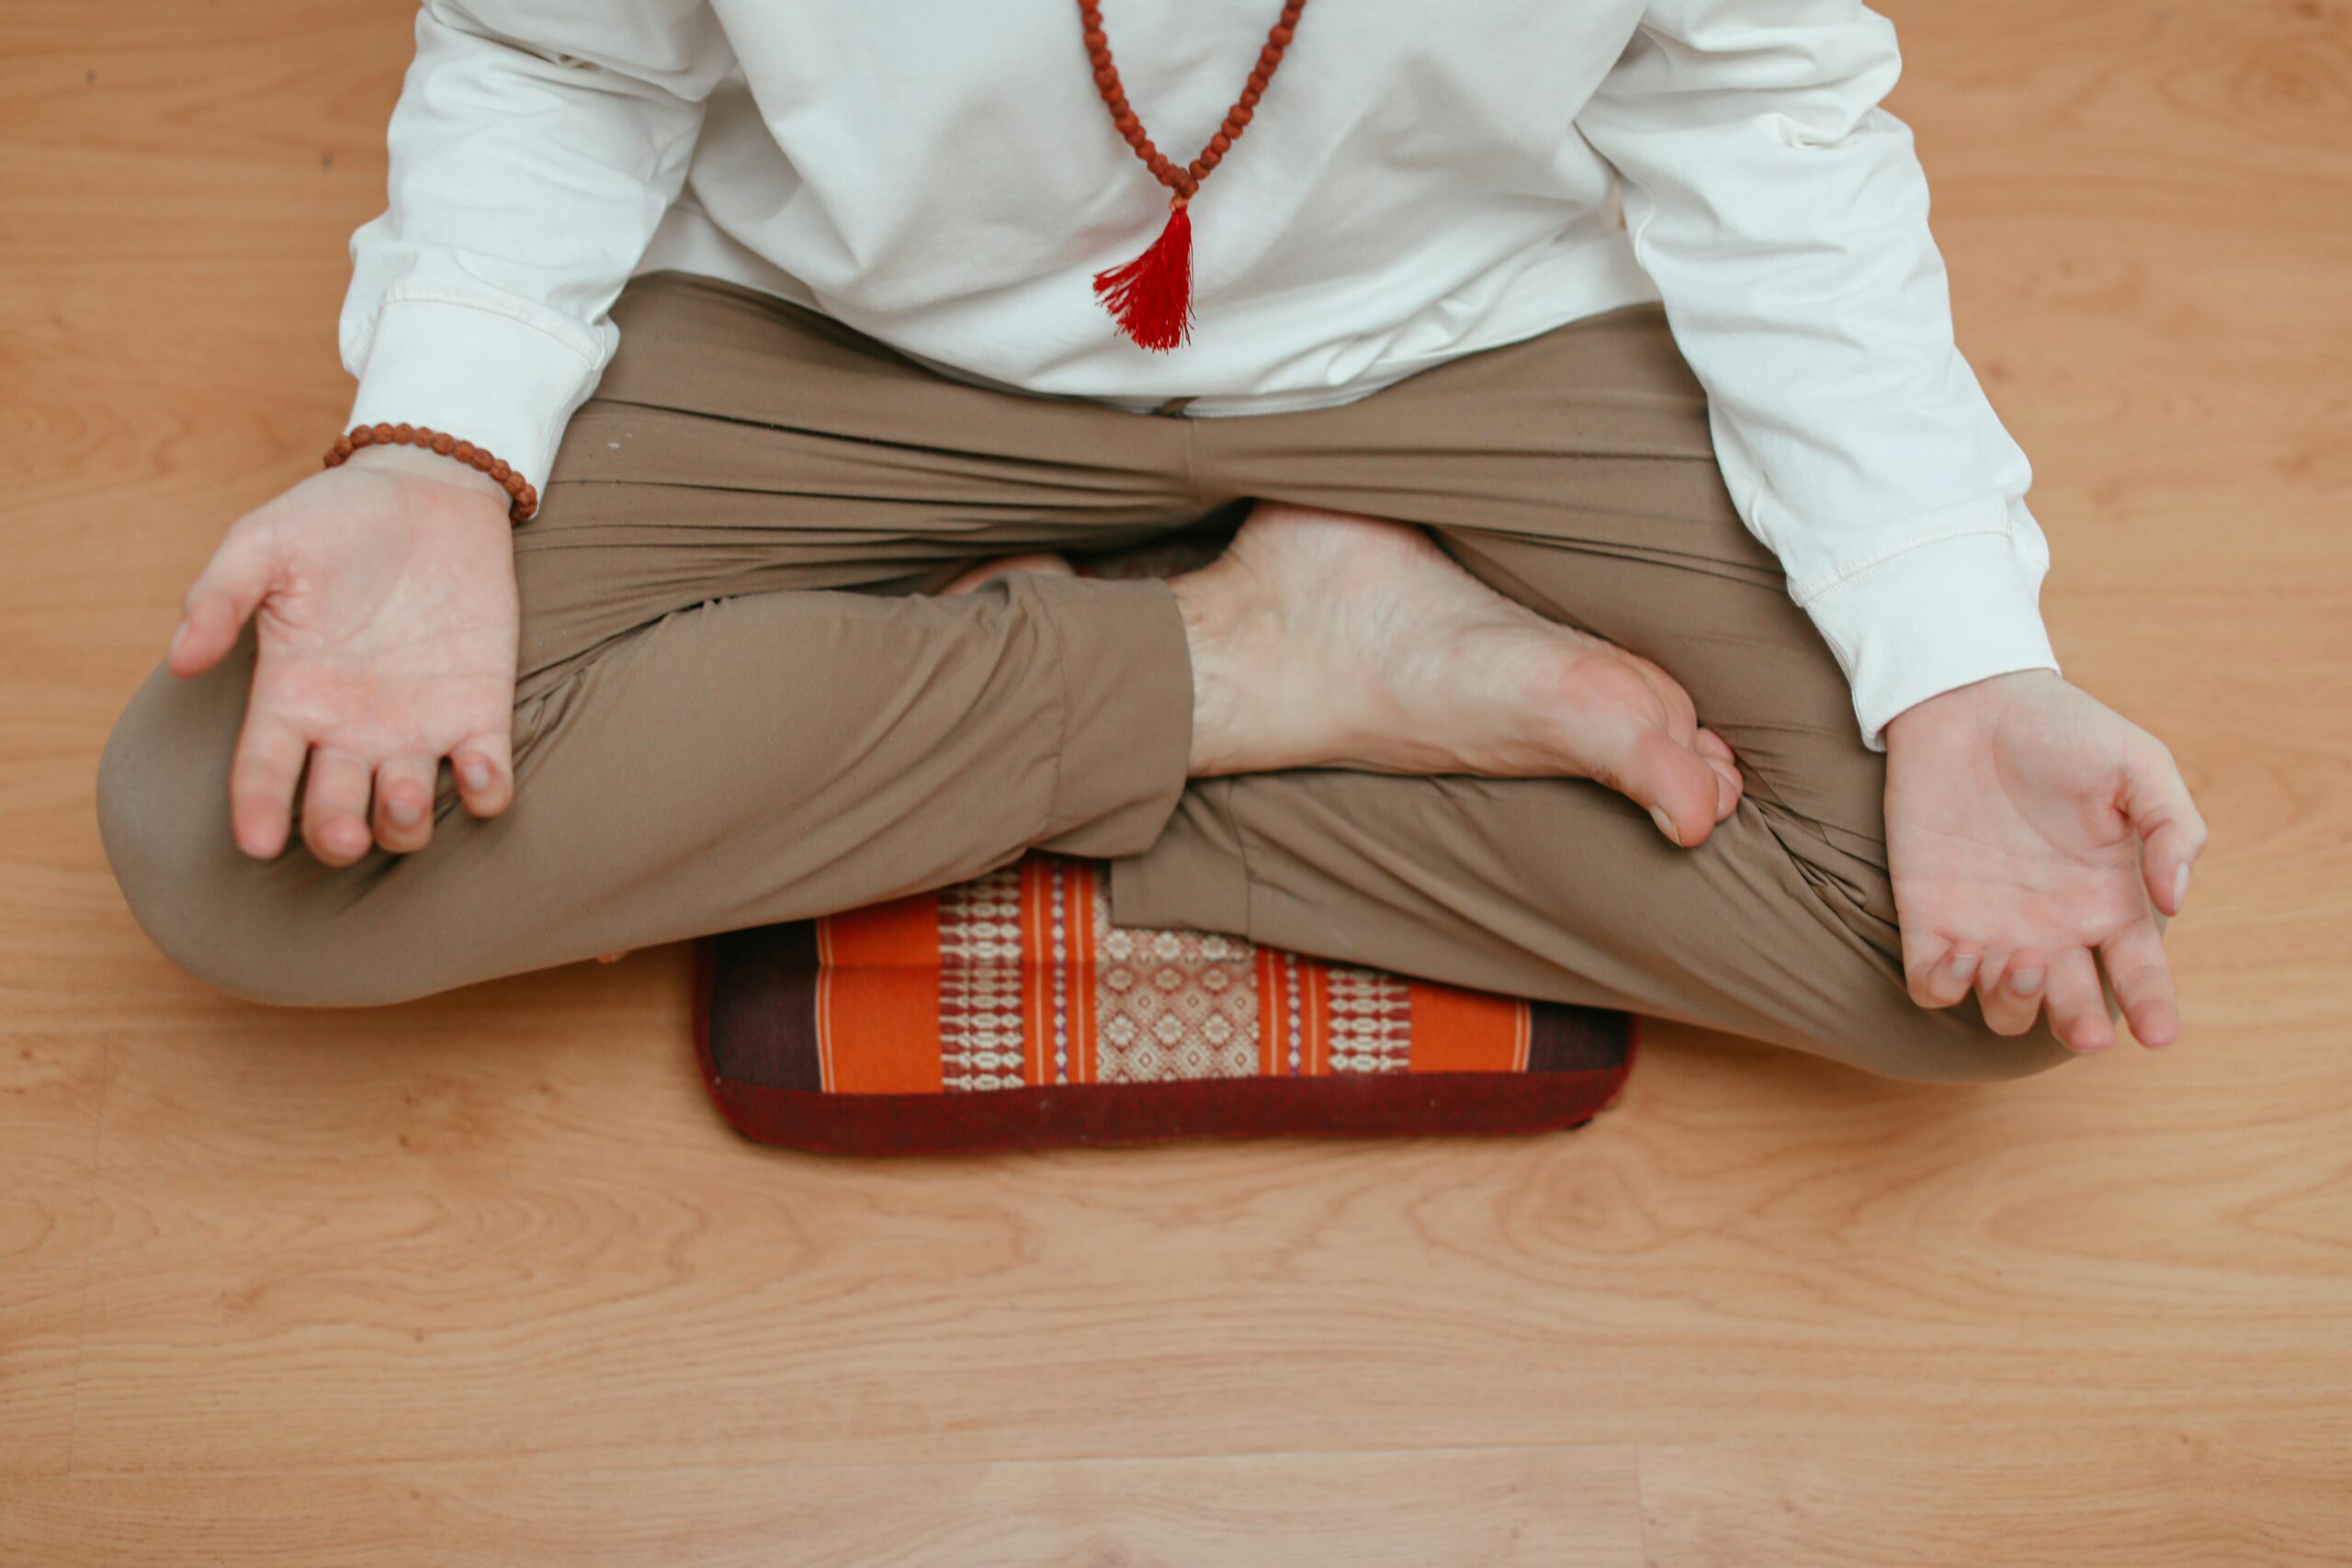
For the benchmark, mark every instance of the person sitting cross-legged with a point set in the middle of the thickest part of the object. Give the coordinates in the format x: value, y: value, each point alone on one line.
x: 1635, y: 612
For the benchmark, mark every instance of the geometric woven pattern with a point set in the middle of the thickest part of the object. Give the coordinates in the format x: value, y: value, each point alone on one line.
x: 1012, y: 1010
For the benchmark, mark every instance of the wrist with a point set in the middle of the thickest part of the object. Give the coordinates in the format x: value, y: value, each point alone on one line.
x: 522, y: 500
x: 423, y: 463
x: 1964, y: 703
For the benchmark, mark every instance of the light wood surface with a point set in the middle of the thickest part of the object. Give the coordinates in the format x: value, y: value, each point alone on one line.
x: 482, y: 1278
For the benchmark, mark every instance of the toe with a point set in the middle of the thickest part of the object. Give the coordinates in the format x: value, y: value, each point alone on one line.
x: 1729, y: 785
x: 1683, y: 792
x: 1728, y: 792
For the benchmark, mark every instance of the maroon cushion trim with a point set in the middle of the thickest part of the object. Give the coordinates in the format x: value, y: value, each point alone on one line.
x: 756, y: 991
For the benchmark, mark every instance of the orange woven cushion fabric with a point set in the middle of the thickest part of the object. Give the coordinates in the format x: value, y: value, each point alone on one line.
x: 1009, y: 1012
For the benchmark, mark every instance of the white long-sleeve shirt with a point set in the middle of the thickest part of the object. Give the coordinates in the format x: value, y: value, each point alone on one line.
x: 1420, y: 182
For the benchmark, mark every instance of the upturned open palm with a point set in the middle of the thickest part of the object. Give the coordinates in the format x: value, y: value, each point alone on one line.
x: 2029, y: 829
x: 386, y: 629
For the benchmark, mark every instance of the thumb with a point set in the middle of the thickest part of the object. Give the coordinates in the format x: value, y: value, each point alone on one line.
x: 2172, y: 833
x: 217, y: 608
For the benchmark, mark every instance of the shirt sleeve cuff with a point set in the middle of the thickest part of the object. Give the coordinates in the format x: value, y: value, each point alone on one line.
x: 476, y: 372
x: 1931, y: 619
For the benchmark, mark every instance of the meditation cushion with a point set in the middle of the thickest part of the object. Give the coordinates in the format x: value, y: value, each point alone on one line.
x: 1009, y: 1012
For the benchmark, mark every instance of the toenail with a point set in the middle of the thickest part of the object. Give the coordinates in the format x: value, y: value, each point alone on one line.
x: 1964, y: 966
x: 2026, y: 981
x: 1666, y: 826
x: 405, y: 813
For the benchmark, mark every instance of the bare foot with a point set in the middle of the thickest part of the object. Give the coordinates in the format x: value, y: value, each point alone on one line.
x: 1044, y: 562
x: 1325, y: 640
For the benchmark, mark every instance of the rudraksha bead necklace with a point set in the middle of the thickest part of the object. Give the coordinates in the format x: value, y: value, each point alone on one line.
x: 1152, y: 296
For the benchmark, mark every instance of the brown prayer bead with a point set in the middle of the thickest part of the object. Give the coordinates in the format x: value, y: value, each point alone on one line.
x: 523, y: 501
x: 1182, y: 179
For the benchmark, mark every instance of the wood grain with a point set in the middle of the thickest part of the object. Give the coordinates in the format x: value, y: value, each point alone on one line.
x: 51, y: 1091
x: 2199, y: 1494
x: 1498, y: 1507
x: 483, y: 1278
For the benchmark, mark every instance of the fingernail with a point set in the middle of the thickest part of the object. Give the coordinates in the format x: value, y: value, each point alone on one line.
x: 2025, y: 981
x: 1666, y: 826
x: 1965, y: 965
x: 2180, y: 888
x: 405, y: 813
x: 476, y: 775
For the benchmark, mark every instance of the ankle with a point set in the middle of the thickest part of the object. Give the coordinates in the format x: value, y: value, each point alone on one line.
x: 1251, y: 684
x: 1206, y: 602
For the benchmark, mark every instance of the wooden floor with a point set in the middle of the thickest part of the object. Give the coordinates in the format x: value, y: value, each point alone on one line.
x: 483, y: 1278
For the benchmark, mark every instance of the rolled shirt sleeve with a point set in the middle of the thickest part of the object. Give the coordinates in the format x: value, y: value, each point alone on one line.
x: 536, y: 146
x: 1783, y: 217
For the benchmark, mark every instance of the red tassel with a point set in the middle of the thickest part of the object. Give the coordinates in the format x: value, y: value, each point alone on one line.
x: 1152, y: 296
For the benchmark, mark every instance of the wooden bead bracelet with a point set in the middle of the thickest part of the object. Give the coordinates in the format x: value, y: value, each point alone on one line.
x: 526, y: 502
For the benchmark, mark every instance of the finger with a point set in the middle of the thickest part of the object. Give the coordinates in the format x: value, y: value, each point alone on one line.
x: 485, y: 769
x: 2172, y: 831
x: 335, y: 807
x: 2011, y: 1000
x: 261, y: 777
x: 2137, y: 968
x: 1943, y: 981
x: 217, y: 607
x: 404, y: 804
x: 2078, y: 1005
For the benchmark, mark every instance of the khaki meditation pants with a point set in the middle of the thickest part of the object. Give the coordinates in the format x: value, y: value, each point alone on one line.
x: 736, y: 707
